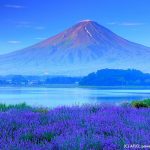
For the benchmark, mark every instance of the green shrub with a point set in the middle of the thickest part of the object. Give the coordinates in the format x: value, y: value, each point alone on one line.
x: 41, y: 110
x: 139, y: 104
x: 48, y: 136
x: 27, y: 137
x: 4, y: 107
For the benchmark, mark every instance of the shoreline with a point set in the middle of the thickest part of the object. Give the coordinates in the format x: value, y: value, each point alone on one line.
x: 78, y: 86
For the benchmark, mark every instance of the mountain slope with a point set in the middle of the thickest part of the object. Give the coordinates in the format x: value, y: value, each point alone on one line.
x: 79, y: 50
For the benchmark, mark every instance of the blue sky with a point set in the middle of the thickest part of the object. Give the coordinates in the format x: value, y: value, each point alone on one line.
x: 26, y: 22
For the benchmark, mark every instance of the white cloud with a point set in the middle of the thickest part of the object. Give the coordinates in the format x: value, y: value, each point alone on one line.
x: 14, y: 6
x: 39, y: 28
x: 40, y: 38
x: 14, y: 42
x: 126, y: 23
x: 25, y: 24
x: 131, y: 24
x: 112, y: 23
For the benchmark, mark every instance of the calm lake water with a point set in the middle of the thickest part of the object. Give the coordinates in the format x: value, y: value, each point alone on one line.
x: 52, y: 97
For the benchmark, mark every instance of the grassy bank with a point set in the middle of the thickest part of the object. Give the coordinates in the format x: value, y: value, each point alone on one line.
x: 93, y: 127
x: 139, y: 104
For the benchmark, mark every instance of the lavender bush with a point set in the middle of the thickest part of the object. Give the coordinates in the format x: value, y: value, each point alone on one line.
x: 94, y: 127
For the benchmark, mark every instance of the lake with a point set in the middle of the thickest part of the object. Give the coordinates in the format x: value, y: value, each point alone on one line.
x: 52, y: 96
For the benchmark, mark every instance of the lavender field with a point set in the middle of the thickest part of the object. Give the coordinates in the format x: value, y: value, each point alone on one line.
x: 88, y: 127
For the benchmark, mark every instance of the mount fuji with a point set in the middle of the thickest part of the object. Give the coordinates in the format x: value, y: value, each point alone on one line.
x: 79, y: 50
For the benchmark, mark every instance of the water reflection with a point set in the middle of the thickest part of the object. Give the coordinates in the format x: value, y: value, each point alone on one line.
x: 52, y: 97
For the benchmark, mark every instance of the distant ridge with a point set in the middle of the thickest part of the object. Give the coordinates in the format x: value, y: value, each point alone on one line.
x: 116, y: 77
x: 79, y: 50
